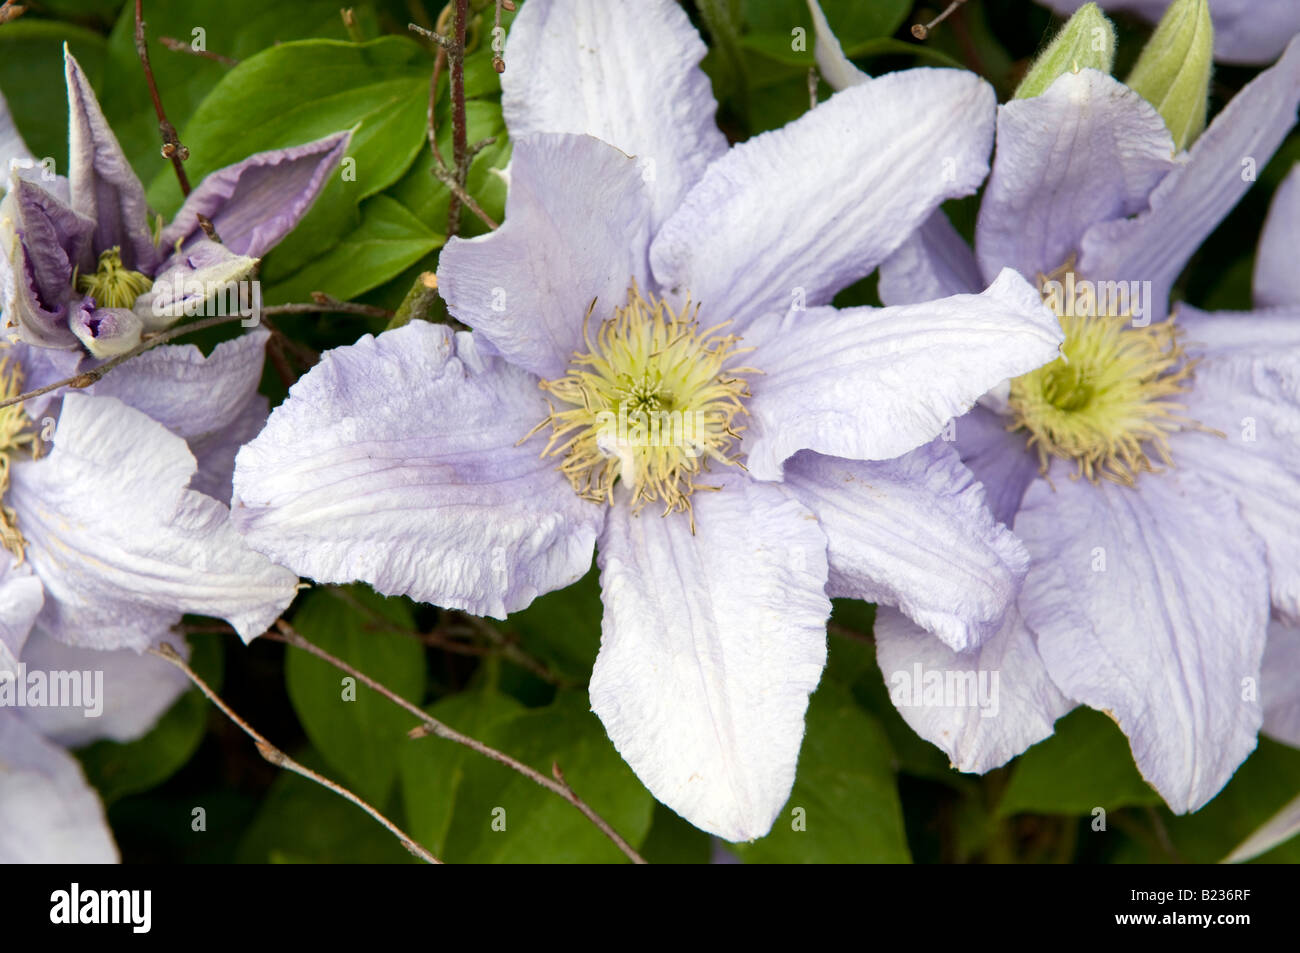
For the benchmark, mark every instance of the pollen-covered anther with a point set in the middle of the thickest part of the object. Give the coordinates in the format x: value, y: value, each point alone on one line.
x: 1109, y: 403
x: 17, y: 435
x: 651, y: 401
x: 112, y: 284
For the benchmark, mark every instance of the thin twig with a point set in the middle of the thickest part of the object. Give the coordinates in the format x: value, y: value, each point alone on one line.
x: 281, y: 760
x: 432, y: 726
x: 180, y: 46
x: 171, y: 148
x: 459, y: 156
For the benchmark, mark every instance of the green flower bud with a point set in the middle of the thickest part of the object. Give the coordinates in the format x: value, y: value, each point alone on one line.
x: 1086, y: 40
x: 1173, y: 72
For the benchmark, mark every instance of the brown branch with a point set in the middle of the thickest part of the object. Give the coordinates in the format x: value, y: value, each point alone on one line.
x: 171, y: 148
x: 459, y: 156
x: 180, y: 46
x: 10, y: 10
x: 432, y: 726
x: 281, y: 760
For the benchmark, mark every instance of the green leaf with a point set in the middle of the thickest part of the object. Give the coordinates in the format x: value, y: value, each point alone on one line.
x: 31, y: 78
x: 302, y: 822
x: 673, y: 840
x: 116, y: 770
x: 359, y: 732
x: 233, y: 28
x: 1173, y: 72
x: 540, y: 826
x: 1267, y: 781
x: 301, y: 91
x: 1086, y: 764
x: 845, y: 798
x: 563, y: 628
x: 432, y: 772
x: 852, y: 21
x: 1086, y: 41
x: 387, y: 241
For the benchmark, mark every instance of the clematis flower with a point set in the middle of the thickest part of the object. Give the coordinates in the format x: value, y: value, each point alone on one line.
x: 653, y: 368
x: 1154, y: 472
x: 1245, y: 31
x: 81, y: 264
x: 112, y: 524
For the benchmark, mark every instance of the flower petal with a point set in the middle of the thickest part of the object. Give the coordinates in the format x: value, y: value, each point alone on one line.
x: 1088, y: 150
x: 1190, y: 202
x: 1136, y: 616
x: 1247, y: 388
x: 914, y: 533
x: 1000, y: 460
x: 104, y: 187
x: 206, y: 278
x: 11, y: 141
x: 130, y: 690
x: 711, y: 644
x: 257, y: 201
x: 1277, y: 280
x: 41, y: 241
x: 107, y: 332
x: 836, y: 68
x: 872, y: 383
x: 626, y: 73
x: 48, y: 813
x: 397, y: 461
x: 935, y: 262
x: 1002, y: 701
x: 122, y: 547
x: 1279, y: 686
x: 576, y: 229
x: 761, y: 229
x: 21, y: 597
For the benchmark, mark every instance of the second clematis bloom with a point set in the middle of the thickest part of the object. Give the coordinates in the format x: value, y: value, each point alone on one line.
x: 82, y: 265
x: 653, y: 369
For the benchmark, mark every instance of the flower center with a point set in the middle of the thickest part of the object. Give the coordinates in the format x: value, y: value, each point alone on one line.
x: 651, y: 401
x: 17, y: 435
x: 1110, y: 400
x: 113, y: 285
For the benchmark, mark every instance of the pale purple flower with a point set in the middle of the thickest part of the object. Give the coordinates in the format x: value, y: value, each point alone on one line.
x: 404, y: 460
x: 1245, y: 31
x: 114, y: 524
x: 78, y: 256
x: 1149, y: 601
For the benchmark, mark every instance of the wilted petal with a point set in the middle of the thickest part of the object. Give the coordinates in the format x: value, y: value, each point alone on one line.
x: 257, y: 201
x: 1088, y: 150
x: 107, y: 332
x: 48, y: 814
x: 21, y: 597
x: 1247, y: 388
x: 871, y: 383
x: 576, y: 229
x: 1189, y: 202
x: 626, y: 73
x: 396, y: 461
x: 40, y: 241
x: 122, y: 546
x: 1002, y: 700
x: 934, y: 263
x: 761, y: 231
x: 1279, y: 685
x: 204, y: 273
x: 1138, y: 617
x: 1277, y: 279
x: 104, y: 187
x: 914, y: 532
x: 129, y: 691
x: 711, y: 644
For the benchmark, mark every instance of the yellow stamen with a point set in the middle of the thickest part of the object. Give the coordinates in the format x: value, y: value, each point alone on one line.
x: 651, y: 401
x: 17, y: 434
x: 112, y: 285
